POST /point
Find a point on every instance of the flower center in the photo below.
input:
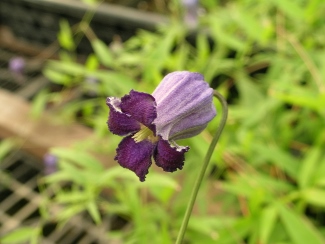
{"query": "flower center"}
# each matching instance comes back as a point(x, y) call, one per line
point(145, 134)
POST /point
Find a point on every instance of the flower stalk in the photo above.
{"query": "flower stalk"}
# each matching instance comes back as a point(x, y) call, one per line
point(205, 164)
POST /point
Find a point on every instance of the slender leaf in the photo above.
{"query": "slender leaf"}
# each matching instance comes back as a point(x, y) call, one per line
point(21, 235)
point(65, 36)
point(291, 8)
point(315, 196)
point(268, 221)
point(5, 147)
point(300, 230)
point(94, 212)
point(103, 52)
point(83, 159)
point(309, 167)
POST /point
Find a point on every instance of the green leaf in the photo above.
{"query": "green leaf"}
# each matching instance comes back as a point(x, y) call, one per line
point(71, 197)
point(241, 186)
point(301, 97)
point(5, 147)
point(207, 224)
point(65, 36)
point(94, 212)
point(299, 229)
point(72, 172)
point(57, 177)
point(115, 83)
point(309, 167)
point(91, 2)
point(250, 94)
point(109, 176)
point(80, 158)
point(278, 157)
point(319, 174)
point(102, 52)
point(222, 36)
point(241, 227)
point(67, 67)
point(70, 211)
point(21, 235)
point(313, 9)
point(56, 76)
point(268, 221)
point(92, 63)
point(249, 24)
point(39, 103)
point(203, 50)
point(290, 8)
point(161, 186)
point(314, 196)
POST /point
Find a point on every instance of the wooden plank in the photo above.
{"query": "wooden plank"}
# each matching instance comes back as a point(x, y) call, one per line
point(37, 135)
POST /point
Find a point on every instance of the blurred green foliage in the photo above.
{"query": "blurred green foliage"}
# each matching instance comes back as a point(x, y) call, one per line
point(267, 178)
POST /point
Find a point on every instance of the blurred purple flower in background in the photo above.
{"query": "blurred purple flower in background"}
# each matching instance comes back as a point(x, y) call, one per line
point(17, 65)
point(190, 12)
point(180, 107)
point(50, 163)
point(91, 85)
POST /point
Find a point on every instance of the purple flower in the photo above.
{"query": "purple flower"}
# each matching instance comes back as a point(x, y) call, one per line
point(17, 65)
point(50, 163)
point(91, 80)
point(190, 12)
point(180, 107)
point(91, 84)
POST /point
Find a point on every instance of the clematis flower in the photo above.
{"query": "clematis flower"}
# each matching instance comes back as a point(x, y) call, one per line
point(180, 107)
point(190, 12)
point(17, 65)
point(91, 85)
point(50, 163)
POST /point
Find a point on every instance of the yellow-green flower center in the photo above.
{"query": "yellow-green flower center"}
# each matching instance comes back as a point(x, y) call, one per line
point(144, 134)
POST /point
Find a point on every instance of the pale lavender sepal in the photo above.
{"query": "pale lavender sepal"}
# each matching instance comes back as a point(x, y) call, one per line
point(184, 105)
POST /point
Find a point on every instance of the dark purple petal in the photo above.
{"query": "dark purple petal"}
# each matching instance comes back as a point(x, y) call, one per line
point(169, 157)
point(135, 156)
point(118, 122)
point(141, 106)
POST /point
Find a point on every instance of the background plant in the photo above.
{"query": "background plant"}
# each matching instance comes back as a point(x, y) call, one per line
point(266, 181)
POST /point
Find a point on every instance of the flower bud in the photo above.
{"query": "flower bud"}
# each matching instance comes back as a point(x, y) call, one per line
point(184, 105)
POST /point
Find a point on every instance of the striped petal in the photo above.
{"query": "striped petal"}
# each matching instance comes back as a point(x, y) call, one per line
point(184, 105)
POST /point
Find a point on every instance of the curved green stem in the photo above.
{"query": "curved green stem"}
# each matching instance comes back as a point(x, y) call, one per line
point(205, 164)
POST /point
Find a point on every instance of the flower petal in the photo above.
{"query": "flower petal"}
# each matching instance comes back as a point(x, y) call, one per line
point(141, 106)
point(184, 105)
point(169, 157)
point(135, 156)
point(192, 124)
point(120, 123)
